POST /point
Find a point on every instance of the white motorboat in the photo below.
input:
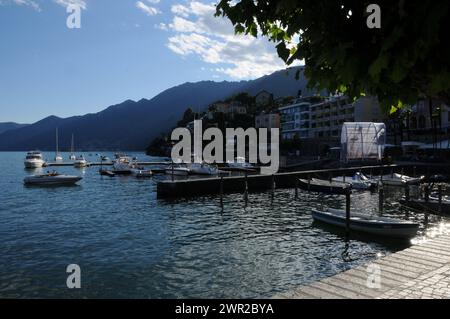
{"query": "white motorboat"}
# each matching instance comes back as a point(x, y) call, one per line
point(374, 225)
point(399, 180)
point(80, 162)
point(58, 157)
point(122, 165)
point(358, 181)
point(34, 160)
point(202, 169)
point(177, 170)
point(240, 163)
point(51, 179)
point(72, 156)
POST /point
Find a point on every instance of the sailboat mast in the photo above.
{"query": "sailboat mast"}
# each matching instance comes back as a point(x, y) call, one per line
point(71, 145)
point(57, 151)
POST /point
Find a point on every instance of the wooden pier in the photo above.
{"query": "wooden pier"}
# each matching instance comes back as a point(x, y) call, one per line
point(236, 184)
point(421, 271)
point(55, 164)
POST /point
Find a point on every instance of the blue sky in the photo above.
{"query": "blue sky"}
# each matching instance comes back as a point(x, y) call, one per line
point(125, 49)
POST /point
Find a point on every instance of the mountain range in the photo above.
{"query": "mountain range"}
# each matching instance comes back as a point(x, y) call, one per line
point(131, 125)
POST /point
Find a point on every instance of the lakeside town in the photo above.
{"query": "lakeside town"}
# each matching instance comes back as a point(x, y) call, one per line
point(235, 150)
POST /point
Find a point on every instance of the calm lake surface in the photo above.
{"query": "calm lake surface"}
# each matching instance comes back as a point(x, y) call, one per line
point(129, 244)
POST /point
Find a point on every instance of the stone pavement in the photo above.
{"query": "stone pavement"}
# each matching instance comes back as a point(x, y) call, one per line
point(421, 271)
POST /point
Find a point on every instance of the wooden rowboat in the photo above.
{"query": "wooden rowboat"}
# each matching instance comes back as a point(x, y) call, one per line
point(374, 225)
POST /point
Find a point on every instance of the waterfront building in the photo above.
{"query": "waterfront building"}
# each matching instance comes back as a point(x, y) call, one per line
point(322, 117)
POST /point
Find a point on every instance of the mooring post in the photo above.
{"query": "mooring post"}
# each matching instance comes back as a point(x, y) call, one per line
point(414, 172)
point(344, 177)
point(246, 187)
point(272, 185)
point(403, 171)
point(330, 177)
point(309, 182)
point(440, 197)
point(427, 193)
point(296, 187)
point(221, 190)
point(347, 211)
point(406, 191)
point(380, 198)
point(371, 173)
point(392, 172)
point(172, 171)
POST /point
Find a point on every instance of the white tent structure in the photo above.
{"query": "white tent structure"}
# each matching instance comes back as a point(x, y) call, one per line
point(362, 140)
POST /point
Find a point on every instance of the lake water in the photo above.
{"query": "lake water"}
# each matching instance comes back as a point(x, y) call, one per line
point(129, 244)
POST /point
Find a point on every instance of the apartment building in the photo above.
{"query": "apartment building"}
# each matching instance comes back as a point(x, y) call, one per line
point(322, 117)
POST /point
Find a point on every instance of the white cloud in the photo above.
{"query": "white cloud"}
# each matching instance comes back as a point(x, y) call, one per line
point(81, 3)
point(149, 10)
point(198, 32)
point(27, 3)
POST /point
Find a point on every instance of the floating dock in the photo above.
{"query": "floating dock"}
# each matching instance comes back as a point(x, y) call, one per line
point(104, 164)
point(236, 184)
point(421, 271)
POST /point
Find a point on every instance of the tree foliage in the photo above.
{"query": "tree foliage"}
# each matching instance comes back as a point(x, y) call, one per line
point(407, 58)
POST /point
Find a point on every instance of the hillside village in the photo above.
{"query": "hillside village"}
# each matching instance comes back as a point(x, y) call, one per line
point(310, 126)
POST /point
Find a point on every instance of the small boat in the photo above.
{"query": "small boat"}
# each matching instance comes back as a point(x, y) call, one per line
point(104, 159)
point(141, 173)
point(240, 163)
point(202, 169)
point(80, 162)
point(177, 171)
point(34, 159)
point(122, 165)
point(105, 172)
point(358, 181)
point(58, 157)
point(399, 180)
point(51, 179)
point(319, 185)
point(374, 225)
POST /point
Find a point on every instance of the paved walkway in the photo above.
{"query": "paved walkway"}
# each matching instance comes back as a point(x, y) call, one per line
point(421, 271)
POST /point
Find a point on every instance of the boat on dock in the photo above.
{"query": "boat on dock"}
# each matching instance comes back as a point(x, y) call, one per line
point(358, 181)
point(322, 186)
point(122, 165)
point(202, 169)
point(177, 170)
point(399, 180)
point(374, 225)
point(34, 159)
point(141, 173)
point(240, 164)
point(51, 179)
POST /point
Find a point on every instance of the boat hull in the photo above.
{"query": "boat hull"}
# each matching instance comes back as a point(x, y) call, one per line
point(315, 186)
point(360, 223)
point(51, 180)
point(34, 164)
